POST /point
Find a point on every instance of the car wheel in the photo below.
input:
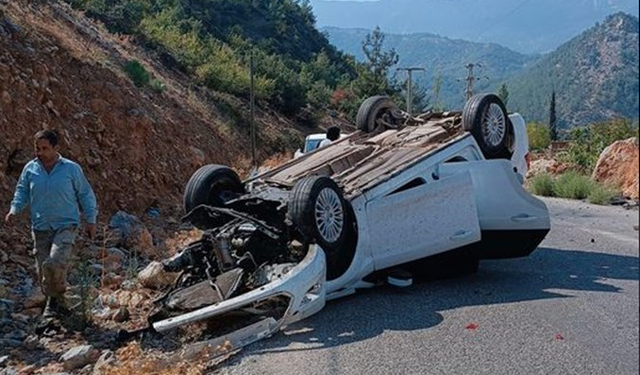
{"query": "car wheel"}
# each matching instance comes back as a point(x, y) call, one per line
point(212, 185)
point(320, 212)
point(485, 117)
point(371, 110)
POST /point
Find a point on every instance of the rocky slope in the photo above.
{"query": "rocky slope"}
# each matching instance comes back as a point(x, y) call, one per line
point(618, 167)
point(594, 76)
point(138, 147)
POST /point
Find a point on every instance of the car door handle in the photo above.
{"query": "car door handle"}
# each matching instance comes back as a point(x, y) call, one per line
point(523, 218)
point(460, 235)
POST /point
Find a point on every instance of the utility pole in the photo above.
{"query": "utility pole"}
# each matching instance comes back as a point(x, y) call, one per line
point(252, 115)
point(410, 86)
point(471, 79)
point(468, 91)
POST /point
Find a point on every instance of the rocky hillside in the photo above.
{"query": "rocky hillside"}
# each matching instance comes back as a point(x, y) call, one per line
point(138, 146)
point(595, 77)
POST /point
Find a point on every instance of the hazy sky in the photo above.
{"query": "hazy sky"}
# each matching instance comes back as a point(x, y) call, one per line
point(529, 26)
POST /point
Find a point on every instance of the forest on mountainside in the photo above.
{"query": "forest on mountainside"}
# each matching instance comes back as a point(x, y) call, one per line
point(297, 71)
point(594, 77)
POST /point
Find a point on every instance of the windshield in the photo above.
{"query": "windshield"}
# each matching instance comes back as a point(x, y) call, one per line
point(311, 144)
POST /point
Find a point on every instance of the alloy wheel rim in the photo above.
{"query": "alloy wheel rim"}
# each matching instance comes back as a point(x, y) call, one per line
point(329, 215)
point(494, 125)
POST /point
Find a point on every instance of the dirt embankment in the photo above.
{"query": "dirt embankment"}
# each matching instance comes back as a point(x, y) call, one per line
point(138, 146)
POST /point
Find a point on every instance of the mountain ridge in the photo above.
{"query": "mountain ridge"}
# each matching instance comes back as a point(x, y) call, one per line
point(526, 26)
point(443, 58)
point(528, 77)
point(594, 75)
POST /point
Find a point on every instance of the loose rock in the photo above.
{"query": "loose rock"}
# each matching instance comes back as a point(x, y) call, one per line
point(79, 356)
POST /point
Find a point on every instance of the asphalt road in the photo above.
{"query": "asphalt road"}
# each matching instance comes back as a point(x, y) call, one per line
point(569, 308)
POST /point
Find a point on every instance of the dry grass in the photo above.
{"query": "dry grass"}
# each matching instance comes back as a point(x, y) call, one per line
point(277, 160)
point(181, 240)
point(129, 361)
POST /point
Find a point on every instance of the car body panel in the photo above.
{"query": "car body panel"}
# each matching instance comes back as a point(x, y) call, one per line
point(416, 223)
point(502, 201)
point(520, 144)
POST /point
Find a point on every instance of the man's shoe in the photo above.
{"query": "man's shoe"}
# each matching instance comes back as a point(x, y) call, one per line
point(60, 306)
point(49, 309)
point(55, 307)
point(48, 327)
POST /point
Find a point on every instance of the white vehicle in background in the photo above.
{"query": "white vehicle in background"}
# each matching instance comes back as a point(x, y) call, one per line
point(311, 142)
point(433, 194)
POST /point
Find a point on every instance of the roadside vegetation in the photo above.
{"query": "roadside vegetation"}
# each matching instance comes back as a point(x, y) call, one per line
point(539, 136)
point(585, 146)
point(572, 185)
point(587, 143)
point(216, 42)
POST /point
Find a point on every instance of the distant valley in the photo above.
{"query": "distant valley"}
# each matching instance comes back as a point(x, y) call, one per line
point(594, 75)
point(526, 26)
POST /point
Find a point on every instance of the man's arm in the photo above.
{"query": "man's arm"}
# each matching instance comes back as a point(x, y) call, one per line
point(87, 200)
point(21, 196)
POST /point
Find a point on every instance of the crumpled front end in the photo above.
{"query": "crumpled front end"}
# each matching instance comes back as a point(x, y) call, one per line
point(251, 272)
point(301, 286)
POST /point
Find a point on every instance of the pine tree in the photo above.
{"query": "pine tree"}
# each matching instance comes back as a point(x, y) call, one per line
point(375, 80)
point(553, 122)
point(503, 93)
point(438, 106)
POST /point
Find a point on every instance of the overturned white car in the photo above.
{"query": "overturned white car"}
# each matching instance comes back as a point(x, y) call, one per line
point(432, 193)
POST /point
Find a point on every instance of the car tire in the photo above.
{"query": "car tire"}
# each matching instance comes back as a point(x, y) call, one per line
point(371, 110)
point(212, 185)
point(319, 211)
point(485, 117)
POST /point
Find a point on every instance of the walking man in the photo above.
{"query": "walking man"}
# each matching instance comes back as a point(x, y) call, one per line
point(55, 189)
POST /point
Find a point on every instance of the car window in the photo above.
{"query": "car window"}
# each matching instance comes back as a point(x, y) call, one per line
point(311, 144)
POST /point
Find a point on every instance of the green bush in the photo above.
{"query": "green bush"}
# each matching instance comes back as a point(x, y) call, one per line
point(319, 95)
point(157, 85)
point(573, 185)
point(137, 72)
point(601, 195)
point(539, 136)
point(589, 142)
point(543, 185)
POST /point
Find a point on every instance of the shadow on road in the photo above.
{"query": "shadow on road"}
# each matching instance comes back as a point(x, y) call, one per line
point(547, 273)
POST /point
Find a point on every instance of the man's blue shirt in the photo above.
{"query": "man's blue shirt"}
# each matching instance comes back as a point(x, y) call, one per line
point(53, 197)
